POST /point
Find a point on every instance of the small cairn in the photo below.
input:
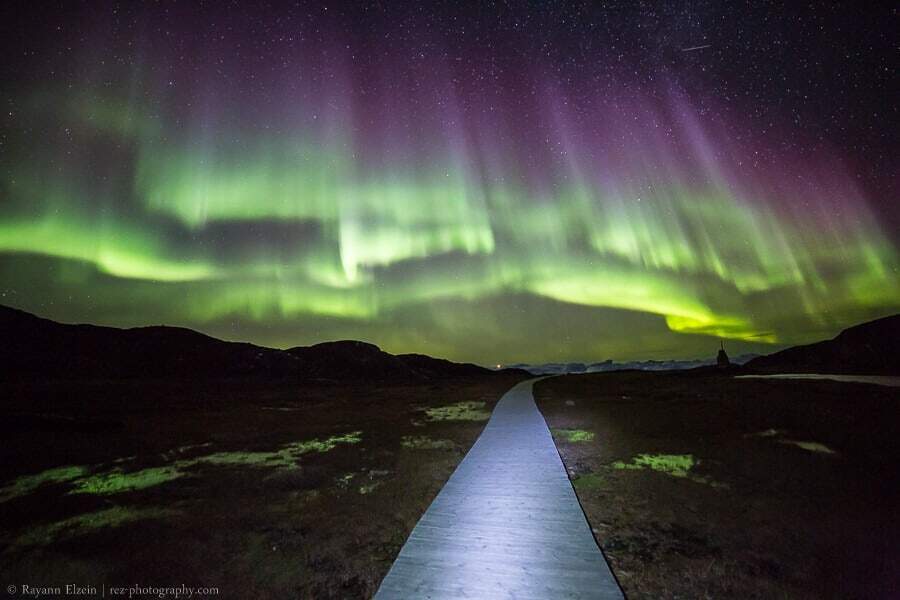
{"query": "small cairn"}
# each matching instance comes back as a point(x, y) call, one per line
point(722, 358)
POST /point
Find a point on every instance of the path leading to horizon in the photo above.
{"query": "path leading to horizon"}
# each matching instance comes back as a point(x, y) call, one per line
point(507, 524)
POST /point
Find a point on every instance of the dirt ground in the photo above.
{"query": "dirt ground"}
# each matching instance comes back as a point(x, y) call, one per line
point(257, 490)
point(704, 486)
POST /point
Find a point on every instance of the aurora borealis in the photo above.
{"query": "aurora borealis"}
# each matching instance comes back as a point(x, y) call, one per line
point(491, 184)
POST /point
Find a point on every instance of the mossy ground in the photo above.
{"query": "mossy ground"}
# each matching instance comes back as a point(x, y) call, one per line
point(573, 436)
point(460, 411)
point(701, 486)
point(199, 485)
point(118, 480)
point(80, 525)
point(26, 484)
point(590, 480)
point(676, 465)
point(423, 442)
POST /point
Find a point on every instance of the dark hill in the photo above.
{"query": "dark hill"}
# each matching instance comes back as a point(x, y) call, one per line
point(872, 348)
point(352, 360)
point(433, 367)
point(360, 360)
point(32, 347)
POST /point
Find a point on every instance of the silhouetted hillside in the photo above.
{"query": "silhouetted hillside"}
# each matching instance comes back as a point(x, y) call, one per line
point(32, 347)
point(350, 359)
point(434, 367)
point(872, 348)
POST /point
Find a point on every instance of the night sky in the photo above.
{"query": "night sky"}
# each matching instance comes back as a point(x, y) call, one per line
point(491, 182)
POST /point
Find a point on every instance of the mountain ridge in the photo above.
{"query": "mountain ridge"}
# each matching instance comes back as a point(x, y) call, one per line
point(35, 347)
point(871, 348)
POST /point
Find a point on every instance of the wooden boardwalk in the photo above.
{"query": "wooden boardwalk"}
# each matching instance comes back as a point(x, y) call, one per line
point(506, 525)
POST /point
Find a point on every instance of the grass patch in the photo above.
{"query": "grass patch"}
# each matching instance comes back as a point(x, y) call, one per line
point(82, 524)
point(461, 411)
point(588, 481)
point(117, 481)
point(29, 483)
point(423, 442)
point(676, 465)
point(369, 487)
point(573, 435)
point(286, 457)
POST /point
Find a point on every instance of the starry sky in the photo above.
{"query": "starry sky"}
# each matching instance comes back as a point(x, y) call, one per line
point(489, 182)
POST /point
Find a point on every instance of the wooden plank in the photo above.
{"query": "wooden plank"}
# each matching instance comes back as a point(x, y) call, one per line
point(506, 525)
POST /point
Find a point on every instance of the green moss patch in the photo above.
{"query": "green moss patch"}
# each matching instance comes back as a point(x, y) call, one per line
point(29, 483)
point(573, 435)
point(369, 487)
point(326, 444)
point(588, 481)
point(461, 411)
point(423, 442)
point(676, 465)
point(286, 457)
point(117, 481)
point(279, 458)
point(83, 524)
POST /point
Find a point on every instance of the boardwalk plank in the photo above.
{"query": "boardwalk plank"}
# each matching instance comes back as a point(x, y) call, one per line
point(506, 525)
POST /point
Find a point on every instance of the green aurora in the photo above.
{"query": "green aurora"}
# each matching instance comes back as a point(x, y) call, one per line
point(124, 217)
